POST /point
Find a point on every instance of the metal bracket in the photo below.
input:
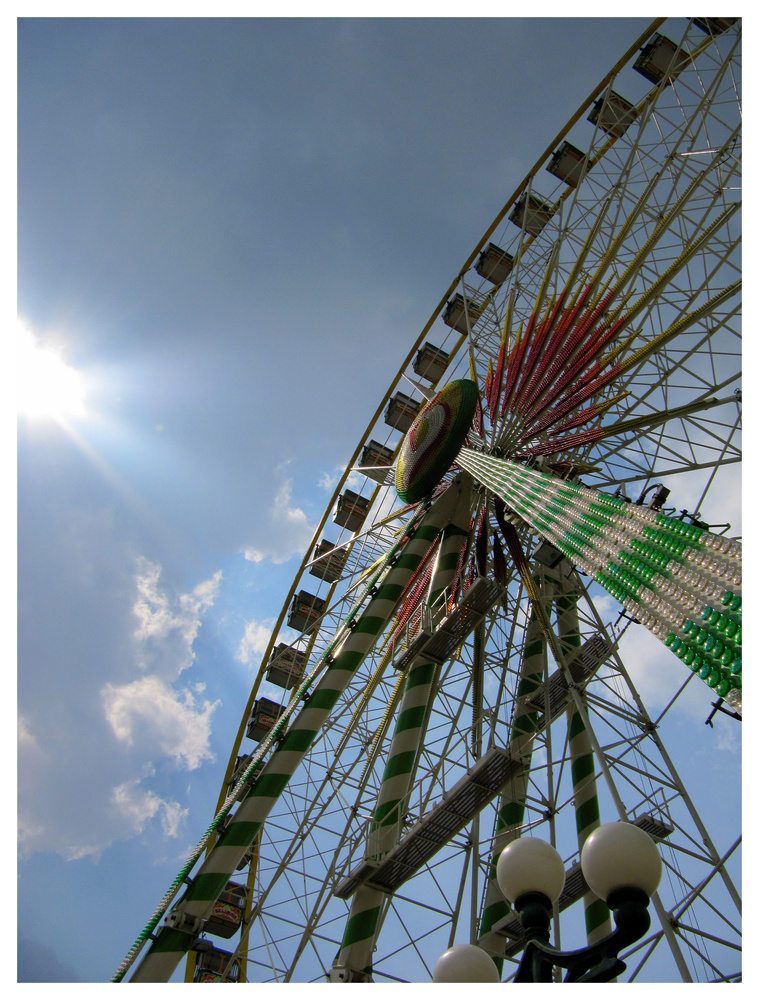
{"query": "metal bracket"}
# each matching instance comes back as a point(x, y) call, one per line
point(178, 920)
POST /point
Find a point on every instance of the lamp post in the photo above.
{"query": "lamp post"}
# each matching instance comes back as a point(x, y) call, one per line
point(621, 865)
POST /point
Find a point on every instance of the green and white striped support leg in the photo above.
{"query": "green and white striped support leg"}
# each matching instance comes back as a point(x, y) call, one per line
point(582, 759)
point(413, 715)
point(357, 946)
point(354, 960)
point(172, 943)
point(597, 915)
point(512, 801)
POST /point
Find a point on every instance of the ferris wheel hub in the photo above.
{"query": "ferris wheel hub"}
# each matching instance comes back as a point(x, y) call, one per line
point(434, 439)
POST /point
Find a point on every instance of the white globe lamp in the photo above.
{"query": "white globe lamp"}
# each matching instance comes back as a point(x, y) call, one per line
point(465, 963)
point(530, 865)
point(620, 856)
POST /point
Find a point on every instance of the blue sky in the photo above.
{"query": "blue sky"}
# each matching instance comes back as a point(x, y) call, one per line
point(234, 230)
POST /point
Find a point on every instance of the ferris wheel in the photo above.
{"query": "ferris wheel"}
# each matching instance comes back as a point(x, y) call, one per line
point(537, 487)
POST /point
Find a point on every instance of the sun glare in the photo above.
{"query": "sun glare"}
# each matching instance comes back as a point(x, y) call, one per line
point(46, 386)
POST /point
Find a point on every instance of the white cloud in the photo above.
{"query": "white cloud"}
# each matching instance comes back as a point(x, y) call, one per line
point(254, 641)
point(607, 606)
point(166, 720)
point(172, 722)
point(151, 606)
point(203, 596)
point(657, 674)
point(79, 851)
point(329, 479)
point(726, 734)
point(286, 530)
point(169, 626)
point(27, 742)
point(28, 832)
point(132, 808)
point(172, 817)
point(91, 767)
point(136, 806)
point(355, 481)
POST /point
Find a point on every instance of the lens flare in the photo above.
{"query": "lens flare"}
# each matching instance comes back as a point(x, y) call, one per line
point(46, 386)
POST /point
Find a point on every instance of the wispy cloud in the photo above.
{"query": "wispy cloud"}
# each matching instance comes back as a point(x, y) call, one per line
point(657, 675)
point(27, 739)
point(286, 530)
point(254, 641)
point(168, 625)
point(329, 479)
point(355, 481)
point(170, 721)
point(132, 808)
point(137, 806)
point(88, 773)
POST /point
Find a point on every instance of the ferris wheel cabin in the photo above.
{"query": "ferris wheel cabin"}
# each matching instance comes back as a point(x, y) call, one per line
point(285, 667)
point(431, 362)
point(263, 718)
point(351, 510)
point(494, 264)
point(305, 611)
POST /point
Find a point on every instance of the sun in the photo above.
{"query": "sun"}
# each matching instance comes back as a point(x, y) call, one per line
point(46, 386)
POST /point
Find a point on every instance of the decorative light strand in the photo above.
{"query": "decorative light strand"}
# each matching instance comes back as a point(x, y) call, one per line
point(680, 581)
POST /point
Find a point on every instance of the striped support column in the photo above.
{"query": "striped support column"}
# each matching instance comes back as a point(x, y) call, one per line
point(512, 800)
point(587, 815)
point(664, 572)
point(354, 960)
point(171, 943)
point(582, 759)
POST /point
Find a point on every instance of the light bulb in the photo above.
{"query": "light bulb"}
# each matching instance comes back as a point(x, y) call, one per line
point(618, 856)
point(530, 865)
point(465, 963)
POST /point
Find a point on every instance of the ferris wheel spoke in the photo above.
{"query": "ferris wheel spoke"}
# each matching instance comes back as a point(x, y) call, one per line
point(695, 445)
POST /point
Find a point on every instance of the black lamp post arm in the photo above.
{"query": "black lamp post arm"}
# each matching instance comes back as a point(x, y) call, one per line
point(597, 963)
